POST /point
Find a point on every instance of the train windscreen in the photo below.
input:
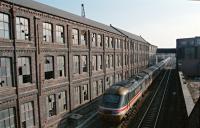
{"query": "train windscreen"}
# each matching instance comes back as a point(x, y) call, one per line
point(111, 101)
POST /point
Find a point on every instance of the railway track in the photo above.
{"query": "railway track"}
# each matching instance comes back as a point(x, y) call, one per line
point(151, 115)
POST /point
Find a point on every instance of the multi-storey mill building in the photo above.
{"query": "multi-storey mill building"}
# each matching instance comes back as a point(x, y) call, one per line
point(52, 62)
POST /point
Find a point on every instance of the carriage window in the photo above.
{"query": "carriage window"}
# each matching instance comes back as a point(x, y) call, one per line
point(111, 98)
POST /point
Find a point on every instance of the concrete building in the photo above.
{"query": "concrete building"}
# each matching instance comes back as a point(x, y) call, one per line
point(188, 55)
point(52, 62)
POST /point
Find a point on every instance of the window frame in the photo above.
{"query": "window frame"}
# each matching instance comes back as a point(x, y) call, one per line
point(76, 64)
point(4, 23)
point(8, 68)
point(75, 36)
point(60, 34)
point(21, 26)
point(48, 69)
point(47, 32)
point(27, 74)
point(61, 65)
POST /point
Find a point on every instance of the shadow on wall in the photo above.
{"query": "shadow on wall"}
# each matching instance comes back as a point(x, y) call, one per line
point(191, 67)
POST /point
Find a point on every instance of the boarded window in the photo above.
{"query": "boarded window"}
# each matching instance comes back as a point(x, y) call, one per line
point(24, 70)
point(48, 67)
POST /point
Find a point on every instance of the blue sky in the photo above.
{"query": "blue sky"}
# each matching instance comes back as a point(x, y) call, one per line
point(160, 22)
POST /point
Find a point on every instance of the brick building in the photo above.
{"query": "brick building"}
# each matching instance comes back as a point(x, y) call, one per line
point(52, 62)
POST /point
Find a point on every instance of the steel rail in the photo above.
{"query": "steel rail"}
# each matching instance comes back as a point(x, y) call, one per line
point(155, 124)
point(141, 121)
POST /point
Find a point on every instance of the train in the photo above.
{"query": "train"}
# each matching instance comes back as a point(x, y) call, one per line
point(126, 94)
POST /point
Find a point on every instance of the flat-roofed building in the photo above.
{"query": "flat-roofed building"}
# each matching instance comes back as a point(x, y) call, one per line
point(188, 55)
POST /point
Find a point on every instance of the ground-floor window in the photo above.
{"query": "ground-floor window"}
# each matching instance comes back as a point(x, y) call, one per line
point(7, 118)
point(27, 115)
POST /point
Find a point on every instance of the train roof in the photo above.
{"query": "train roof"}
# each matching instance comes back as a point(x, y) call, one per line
point(118, 90)
point(153, 68)
point(148, 71)
point(123, 87)
point(143, 74)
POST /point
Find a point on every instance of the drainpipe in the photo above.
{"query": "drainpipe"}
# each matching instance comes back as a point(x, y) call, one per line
point(13, 29)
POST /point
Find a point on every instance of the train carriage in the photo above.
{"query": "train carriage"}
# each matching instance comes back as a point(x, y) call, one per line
point(122, 96)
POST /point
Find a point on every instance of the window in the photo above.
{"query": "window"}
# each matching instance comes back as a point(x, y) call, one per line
point(75, 36)
point(111, 61)
point(100, 66)
point(85, 93)
point(48, 67)
point(107, 82)
point(106, 42)
point(112, 79)
point(61, 66)
point(100, 87)
point(5, 72)
point(27, 115)
point(47, 32)
point(116, 43)
point(84, 63)
point(116, 60)
point(51, 105)
point(107, 61)
point(99, 40)
point(95, 89)
point(76, 64)
point(22, 28)
point(7, 118)
point(119, 42)
point(94, 36)
point(77, 95)
point(83, 37)
point(119, 60)
point(4, 26)
point(94, 63)
point(59, 34)
point(24, 70)
point(62, 101)
point(111, 42)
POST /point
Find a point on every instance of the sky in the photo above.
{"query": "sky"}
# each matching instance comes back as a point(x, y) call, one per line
point(160, 22)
